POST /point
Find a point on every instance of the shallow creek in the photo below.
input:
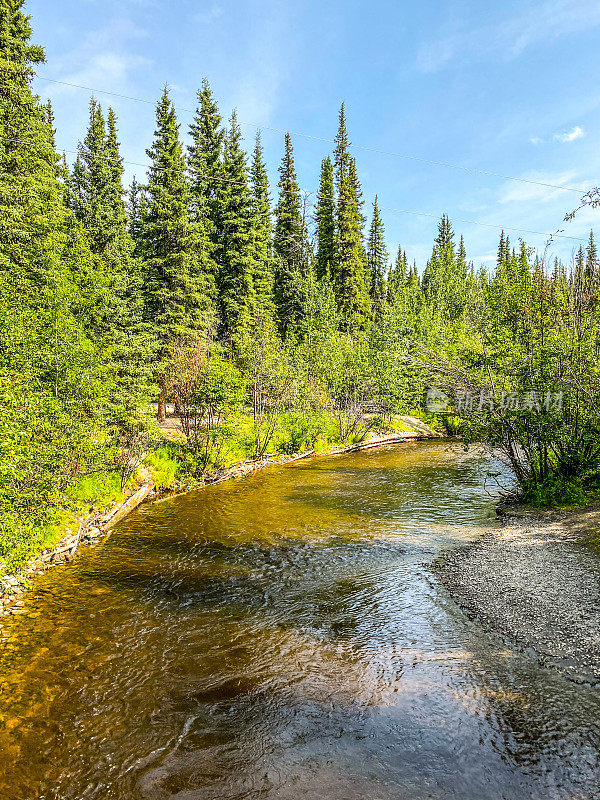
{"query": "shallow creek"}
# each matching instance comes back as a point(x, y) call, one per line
point(282, 636)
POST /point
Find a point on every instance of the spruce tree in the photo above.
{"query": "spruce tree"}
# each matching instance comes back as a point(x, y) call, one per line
point(591, 264)
point(398, 277)
point(501, 249)
point(262, 227)
point(289, 243)
point(92, 178)
point(51, 371)
point(236, 296)
point(377, 260)
point(101, 210)
point(349, 271)
point(207, 177)
point(325, 221)
point(135, 211)
point(176, 283)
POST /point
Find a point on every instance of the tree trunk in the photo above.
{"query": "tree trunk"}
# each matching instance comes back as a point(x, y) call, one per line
point(162, 399)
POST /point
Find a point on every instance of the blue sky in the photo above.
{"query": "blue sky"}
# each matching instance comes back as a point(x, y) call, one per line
point(511, 88)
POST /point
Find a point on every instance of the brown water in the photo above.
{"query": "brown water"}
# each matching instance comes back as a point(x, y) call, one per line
point(282, 637)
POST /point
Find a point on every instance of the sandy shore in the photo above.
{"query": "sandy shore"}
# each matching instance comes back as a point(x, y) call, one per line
point(536, 583)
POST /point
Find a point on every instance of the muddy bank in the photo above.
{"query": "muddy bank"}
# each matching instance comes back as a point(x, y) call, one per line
point(534, 581)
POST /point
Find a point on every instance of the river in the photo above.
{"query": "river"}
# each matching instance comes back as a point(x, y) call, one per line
point(282, 636)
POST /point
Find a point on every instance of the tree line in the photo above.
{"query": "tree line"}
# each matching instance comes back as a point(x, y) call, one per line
point(205, 286)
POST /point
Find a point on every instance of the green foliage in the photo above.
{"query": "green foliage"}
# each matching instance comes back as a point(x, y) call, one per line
point(301, 431)
point(556, 491)
point(349, 271)
point(377, 261)
point(176, 282)
point(262, 227)
point(209, 391)
point(289, 243)
point(236, 295)
point(452, 424)
point(98, 489)
point(325, 221)
point(165, 465)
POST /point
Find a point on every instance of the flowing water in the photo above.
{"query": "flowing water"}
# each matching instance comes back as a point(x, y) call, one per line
point(283, 637)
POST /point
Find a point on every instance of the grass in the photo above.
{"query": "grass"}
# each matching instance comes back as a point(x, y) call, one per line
point(165, 464)
point(98, 489)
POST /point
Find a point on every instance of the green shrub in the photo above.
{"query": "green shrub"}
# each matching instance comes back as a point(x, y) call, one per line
point(98, 489)
point(452, 424)
point(165, 464)
point(300, 431)
point(556, 491)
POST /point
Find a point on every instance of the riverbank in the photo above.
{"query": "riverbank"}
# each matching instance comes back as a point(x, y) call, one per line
point(535, 582)
point(95, 526)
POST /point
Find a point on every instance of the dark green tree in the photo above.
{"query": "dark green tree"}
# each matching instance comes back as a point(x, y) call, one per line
point(207, 176)
point(135, 211)
point(289, 243)
point(262, 226)
point(100, 208)
point(236, 295)
point(52, 378)
point(349, 274)
point(377, 260)
point(325, 221)
point(398, 276)
point(176, 282)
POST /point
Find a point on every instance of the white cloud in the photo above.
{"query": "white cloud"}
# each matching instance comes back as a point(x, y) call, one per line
point(570, 136)
point(104, 70)
point(104, 58)
point(205, 17)
point(507, 37)
point(535, 140)
point(540, 190)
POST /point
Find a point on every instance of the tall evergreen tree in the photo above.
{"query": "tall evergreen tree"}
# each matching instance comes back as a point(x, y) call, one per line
point(207, 177)
point(349, 272)
point(236, 295)
point(92, 179)
point(262, 226)
point(176, 284)
point(135, 211)
point(325, 220)
point(445, 276)
point(101, 210)
point(591, 264)
point(51, 371)
point(377, 260)
point(289, 243)
point(398, 276)
point(501, 249)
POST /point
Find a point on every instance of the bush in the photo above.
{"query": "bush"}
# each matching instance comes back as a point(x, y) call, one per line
point(98, 489)
point(452, 425)
point(300, 431)
point(556, 491)
point(165, 464)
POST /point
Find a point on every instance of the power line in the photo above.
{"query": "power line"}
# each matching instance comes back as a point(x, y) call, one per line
point(431, 162)
point(555, 235)
point(411, 212)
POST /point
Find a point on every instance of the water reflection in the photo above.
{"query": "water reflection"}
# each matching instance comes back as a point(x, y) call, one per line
point(282, 636)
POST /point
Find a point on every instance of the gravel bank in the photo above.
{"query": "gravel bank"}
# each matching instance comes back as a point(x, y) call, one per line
point(534, 581)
